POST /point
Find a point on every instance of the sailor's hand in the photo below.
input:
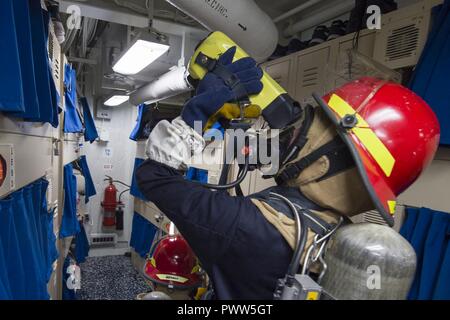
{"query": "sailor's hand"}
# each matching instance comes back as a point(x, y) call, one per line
point(213, 93)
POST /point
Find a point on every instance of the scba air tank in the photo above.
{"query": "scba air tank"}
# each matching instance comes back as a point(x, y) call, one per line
point(369, 262)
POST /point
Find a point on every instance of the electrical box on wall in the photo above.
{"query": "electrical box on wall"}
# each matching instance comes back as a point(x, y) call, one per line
point(102, 111)
point(7, 171)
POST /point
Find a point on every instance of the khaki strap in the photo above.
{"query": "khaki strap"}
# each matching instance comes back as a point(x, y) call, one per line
point(287, 228)
point(283, 224)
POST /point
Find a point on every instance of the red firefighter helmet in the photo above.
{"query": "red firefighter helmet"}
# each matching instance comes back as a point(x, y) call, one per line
point(173, 264)
point(391, 132)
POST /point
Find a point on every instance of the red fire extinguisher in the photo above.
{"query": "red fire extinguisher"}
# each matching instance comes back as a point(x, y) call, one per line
point(109, 204)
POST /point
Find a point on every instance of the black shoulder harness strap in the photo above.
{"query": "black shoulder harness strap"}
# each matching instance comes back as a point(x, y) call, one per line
point(302, 137)
point(334, 149)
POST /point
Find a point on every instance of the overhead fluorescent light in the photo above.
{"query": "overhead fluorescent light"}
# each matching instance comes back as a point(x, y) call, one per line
point(138, 56)
point(116, 100)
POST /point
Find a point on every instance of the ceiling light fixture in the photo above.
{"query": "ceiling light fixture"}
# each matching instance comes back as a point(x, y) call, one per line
point(116, 100)
point(142, 52)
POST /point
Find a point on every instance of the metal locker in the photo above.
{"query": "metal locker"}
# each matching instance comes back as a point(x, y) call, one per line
point(282, 71)
point(312, 73)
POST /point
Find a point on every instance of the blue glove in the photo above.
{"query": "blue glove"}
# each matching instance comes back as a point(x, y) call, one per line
point(213, 93)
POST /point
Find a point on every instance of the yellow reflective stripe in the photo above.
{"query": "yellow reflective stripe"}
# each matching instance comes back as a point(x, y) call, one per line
point(376, 148)
point(342, 108)
point(392, 205)
point(170, 277)
point(366, 135)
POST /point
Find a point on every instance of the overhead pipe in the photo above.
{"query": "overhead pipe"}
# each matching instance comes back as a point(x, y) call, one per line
point(296, 10)
point(166, 86)
point(243, 21)
point(307, 23)
point(250, 27)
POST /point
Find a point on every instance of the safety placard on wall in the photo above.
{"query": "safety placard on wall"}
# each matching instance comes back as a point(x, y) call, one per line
point(108, 153)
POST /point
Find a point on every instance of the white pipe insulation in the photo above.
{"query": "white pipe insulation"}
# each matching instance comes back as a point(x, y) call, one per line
point(243, 21)
point(168, 85)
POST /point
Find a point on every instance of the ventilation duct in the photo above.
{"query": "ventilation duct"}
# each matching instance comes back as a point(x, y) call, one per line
point(243, 21)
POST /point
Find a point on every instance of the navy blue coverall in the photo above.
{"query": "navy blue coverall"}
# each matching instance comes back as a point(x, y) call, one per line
point(243, 254)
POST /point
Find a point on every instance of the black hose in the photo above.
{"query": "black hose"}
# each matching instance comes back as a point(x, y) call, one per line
point(301, 241)
point(301, 227)
point(233, 184)
point(122, 183)
point(241, 175)
point(120, 195)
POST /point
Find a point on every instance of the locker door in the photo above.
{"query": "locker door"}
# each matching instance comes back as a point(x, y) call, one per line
point(282, 71)
point(311, 75)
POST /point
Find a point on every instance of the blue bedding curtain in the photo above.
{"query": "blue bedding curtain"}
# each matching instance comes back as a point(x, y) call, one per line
point(138, 128)
point(432, 74)
point(142, 235)
point(134, 191)
point(89, 183)
point(81, 245)
point(28, 90)
point(90, 132)
point(428, 231)
point(11, 93)
point(69, 225)
point(27, 243)
point(72, 121)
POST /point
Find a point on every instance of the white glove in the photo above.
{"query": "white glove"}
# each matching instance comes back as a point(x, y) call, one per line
point(174, 144)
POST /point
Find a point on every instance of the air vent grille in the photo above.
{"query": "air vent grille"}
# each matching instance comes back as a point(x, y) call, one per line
point(310, 77)
point(402, 42)
point(103, 239)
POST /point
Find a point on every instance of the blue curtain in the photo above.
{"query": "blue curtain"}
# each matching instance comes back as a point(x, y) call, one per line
point(69, 225)
point(81, 245)
point(134, 191)
point(432, 74)
point(11, 93)
point(72, 121)
point(28, 90)
point(90, 132)
point(27, 243)
point(138, 128)
point(142, 234)
point(428, 232)
point(89, 183)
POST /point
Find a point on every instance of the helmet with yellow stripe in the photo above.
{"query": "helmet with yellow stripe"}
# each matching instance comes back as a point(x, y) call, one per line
point(173, 264)
point(390, 136)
